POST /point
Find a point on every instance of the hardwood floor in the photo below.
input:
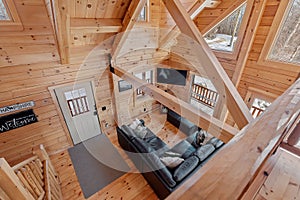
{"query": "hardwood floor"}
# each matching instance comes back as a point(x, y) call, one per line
point(283, 181)
point(131, 185)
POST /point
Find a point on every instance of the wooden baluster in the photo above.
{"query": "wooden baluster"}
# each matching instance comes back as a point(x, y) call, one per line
point(11, 184)
point(26, 184)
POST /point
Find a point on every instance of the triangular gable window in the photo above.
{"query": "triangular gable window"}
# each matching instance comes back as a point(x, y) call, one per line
point(286, 45)
point(4, 16)
point(224, 35)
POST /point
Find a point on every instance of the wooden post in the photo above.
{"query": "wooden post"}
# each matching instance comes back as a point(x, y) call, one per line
point(294, 138)
point(10, 183)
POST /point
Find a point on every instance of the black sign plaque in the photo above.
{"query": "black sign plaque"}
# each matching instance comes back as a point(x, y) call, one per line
point(17, 120)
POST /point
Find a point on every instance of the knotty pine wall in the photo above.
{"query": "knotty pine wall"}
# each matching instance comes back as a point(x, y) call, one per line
point(29, 64)
point(271, 79)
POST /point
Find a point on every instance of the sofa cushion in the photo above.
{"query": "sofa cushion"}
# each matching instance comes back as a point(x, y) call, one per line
point(158, 145)
point(171, 162)
point(142, 146)
point(185, 168)
point(183, 148)
point(187, 127)
point(204, 151)
point(216, 142)
point(160, 168)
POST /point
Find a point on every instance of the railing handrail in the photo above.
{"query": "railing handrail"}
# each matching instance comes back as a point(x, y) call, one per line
point(204, 95)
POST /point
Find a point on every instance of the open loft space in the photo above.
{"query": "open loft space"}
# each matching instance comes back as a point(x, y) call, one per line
point(149, 99)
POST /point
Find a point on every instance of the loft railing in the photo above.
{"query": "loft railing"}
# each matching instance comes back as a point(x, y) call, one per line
point(33, 179)
point(204, 95)
point(255, 111)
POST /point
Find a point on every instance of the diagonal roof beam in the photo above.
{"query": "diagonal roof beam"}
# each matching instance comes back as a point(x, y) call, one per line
point(210, 63)
point(129, 20)
point(194, 11)
point(212, 125)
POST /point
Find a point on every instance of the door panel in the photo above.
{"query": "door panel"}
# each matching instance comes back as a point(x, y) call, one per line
point(79, 110)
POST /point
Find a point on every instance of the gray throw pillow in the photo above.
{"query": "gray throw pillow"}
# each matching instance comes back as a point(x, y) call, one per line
point(199, 138)
point(172, 162)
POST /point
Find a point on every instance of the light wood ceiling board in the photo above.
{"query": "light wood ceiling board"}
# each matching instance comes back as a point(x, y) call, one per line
point(198, 117)
point(80, 8)
point(101, 8)
point(234, 168)
point(128, 23)
point(72, 8)
point(122, 6)
point(91, 8)
point(209, 61)
point(110, 9)
point(82, 25)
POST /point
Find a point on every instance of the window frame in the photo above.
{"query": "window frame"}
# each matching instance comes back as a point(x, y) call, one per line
point(147, 13)
point(14, 24)
point(280, 17)
point(240, 36)
point(139, 92)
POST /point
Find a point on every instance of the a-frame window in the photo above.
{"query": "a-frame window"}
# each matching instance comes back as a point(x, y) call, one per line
point(4, 16)
point(9, 18)
point(286, 45)
point(224, 35)
point(144, 14)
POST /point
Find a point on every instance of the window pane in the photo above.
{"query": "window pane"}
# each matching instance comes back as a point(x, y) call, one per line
point(3, 12)
point(224, 36)
point(287, 45)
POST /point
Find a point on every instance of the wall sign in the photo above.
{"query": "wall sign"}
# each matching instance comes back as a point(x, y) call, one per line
point(16, 107)
point(17, 120)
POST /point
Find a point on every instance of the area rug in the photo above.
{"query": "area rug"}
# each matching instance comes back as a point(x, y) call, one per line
point(97, 163)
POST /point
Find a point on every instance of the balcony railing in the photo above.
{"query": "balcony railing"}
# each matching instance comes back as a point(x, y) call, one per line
point(204, 95)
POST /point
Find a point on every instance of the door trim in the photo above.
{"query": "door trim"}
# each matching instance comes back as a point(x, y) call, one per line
point(59, 111)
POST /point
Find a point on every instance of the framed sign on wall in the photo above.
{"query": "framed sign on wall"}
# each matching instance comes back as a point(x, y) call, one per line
point(17, 120)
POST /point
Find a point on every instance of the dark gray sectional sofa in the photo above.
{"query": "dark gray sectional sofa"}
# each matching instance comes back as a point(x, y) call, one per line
point(146, 153)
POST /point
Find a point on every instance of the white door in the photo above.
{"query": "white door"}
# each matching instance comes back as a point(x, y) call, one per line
point(79, 110)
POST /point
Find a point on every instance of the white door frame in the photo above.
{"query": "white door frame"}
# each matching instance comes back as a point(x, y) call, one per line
point(59, 111)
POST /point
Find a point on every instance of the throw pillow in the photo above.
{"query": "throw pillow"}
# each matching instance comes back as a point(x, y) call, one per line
point(141, 131)
point(172, 162)
point(171, 154)
point(199, 138)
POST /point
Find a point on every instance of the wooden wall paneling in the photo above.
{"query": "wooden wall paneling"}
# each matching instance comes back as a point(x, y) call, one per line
point(101, 8)
point(110, 9)
point(128, 22)
point(258, 140)
point(257, 12)
point(91, 8)
point(233, 101)
point(82, 25)
point(80, 8)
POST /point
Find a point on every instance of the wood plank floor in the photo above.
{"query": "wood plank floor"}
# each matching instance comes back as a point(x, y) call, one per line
point(283, 181)
point(131, 185)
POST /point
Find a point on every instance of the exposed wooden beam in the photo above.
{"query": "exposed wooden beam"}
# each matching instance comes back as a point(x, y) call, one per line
point(58, 13)
point(83, 25)
point(210, 63)
point(228, 174)
point(193, 11)
point(129, 20)
point(212, 125)
point(257, 12)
